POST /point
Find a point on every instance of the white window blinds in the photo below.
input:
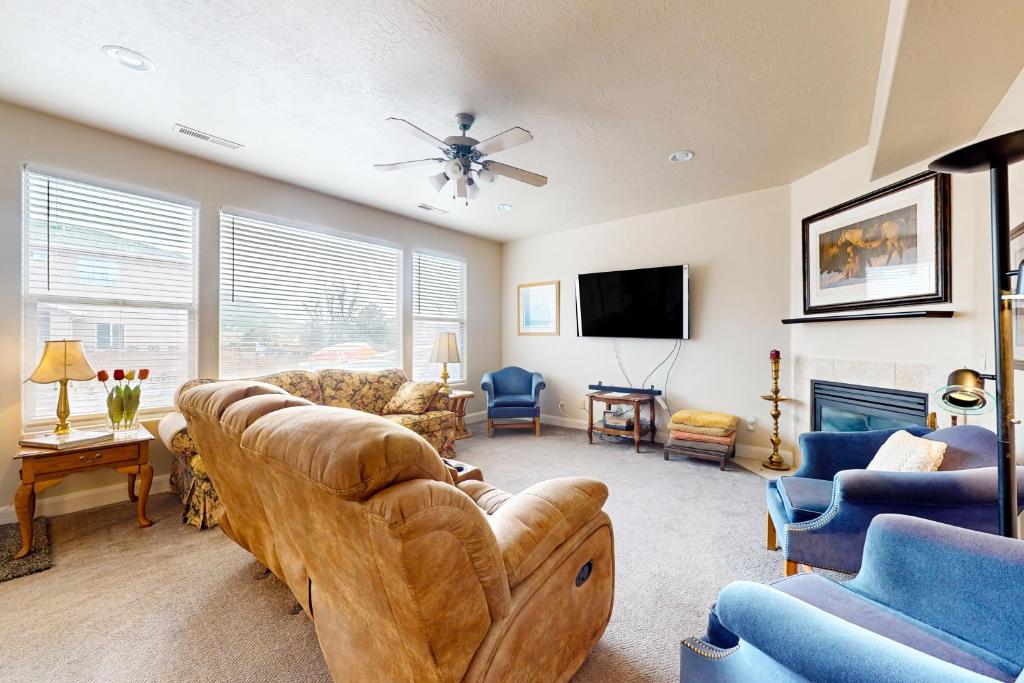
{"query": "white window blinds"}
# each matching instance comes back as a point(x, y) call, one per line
point(438, 305)
point(294, 298)
point(115, 270)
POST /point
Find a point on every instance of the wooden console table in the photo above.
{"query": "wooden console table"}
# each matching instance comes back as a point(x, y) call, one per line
point(614, 398)
point(42, 468)
point(457, 400)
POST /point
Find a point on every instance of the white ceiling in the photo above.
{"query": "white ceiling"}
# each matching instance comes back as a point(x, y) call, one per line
point(765, 92)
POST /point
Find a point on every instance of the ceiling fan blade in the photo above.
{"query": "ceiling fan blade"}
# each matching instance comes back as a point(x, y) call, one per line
point(502, 141)
point(407, 164)
point(498, 168)
point(460, 188)
point(420, 133)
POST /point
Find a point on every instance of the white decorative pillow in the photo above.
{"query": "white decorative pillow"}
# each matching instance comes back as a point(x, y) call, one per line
point(904, 452)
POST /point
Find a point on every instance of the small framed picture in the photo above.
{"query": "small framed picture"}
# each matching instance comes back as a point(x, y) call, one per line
point(890, 247)
point(1016, 256)
point(537, 308)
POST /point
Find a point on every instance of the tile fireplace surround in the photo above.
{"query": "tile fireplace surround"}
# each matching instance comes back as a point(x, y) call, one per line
point(906, 376)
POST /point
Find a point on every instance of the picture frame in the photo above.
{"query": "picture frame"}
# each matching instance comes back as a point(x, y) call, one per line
point(1016, 256)
point(887, 248)
point(537, 308)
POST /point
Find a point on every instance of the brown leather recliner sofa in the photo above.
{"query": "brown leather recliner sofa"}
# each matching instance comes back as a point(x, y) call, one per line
point(407, 576)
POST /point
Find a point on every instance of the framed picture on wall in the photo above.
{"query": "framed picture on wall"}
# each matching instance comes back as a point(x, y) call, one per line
point(890, 247)
point(1016, 255)
point(537, 308)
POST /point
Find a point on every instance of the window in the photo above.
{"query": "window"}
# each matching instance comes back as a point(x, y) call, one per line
point(109, 335)
point(299, 298)
point(116, 270)
point(438, 305)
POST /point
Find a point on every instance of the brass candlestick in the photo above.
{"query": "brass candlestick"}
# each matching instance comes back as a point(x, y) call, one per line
point(775, 461)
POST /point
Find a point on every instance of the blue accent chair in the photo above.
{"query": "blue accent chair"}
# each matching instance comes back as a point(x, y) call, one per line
point(821, 514)
point(932, 602)
point(513, 393)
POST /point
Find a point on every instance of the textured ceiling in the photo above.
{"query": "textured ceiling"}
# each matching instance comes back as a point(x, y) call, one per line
point(765, 92)
point(954, 64)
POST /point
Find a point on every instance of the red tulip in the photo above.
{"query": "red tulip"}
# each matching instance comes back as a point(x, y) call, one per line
point(119, 374)
point(144, 373)
point(102, 376)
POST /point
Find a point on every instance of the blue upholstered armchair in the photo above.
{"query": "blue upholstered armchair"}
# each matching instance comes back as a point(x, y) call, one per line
point(820, 515)
point(513, 393)
point(932, 603)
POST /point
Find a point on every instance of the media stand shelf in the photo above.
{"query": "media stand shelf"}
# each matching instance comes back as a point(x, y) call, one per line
point(867, 316)
point(640, 427)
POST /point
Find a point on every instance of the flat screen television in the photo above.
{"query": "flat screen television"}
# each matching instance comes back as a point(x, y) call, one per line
point(652, 303)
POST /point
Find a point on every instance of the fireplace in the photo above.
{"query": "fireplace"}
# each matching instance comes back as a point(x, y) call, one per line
point(838, 407)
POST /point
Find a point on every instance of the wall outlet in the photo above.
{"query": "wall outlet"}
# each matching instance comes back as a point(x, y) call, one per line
point(751, 421)
point(583, 404)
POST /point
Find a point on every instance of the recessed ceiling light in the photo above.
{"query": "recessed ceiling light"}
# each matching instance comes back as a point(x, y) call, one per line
point(504, 207)
point(128, 58)
point(681, 156)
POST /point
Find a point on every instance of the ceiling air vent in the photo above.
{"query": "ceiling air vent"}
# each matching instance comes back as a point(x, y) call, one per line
point(428, 207)
point(205, 137)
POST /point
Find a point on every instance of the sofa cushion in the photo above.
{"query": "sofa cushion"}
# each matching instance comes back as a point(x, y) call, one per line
point(804, 498)
point(412, 398)
point(301, 383)
point(511, 400)
point(831, 597)
point(904, 452)
point(364, 390)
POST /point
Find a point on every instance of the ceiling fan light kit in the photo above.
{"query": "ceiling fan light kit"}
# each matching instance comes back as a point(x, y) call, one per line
point(464, 158)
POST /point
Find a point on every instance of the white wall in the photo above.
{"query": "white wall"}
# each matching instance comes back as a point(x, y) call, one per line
point(933, 347)
point(31, 137)
point(739, 264)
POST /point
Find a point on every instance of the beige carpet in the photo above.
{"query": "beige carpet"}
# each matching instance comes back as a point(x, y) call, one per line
point(170, 603)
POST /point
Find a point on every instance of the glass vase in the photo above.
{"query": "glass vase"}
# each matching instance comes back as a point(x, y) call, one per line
point(123, 408)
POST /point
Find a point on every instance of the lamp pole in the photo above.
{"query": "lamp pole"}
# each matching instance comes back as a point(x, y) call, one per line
point(995, 155)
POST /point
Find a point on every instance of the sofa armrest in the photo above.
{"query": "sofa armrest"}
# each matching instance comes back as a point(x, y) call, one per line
point(823, 454)
point(487, 384)
point(531, 525)
point(537, 383)
point(173, 432)
point(817, 646)
point(981, 577)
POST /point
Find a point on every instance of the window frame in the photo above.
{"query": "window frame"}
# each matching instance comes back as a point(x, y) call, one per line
point(97, 418)
point(464, 350)
point(399, 248)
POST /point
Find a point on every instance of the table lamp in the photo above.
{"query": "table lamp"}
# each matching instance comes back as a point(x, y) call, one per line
point(446, 350)
point(62, 360)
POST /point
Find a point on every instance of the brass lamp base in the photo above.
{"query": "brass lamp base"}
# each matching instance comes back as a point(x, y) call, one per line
point(445, 389)
point(772, 464)
point(63, 410)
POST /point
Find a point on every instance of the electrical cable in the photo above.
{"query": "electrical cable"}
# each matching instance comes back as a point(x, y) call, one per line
point(663, 361)
point(618, 358)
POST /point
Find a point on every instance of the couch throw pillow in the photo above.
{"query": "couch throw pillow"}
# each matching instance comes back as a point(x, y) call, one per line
point(412, 398)
point(904, 452)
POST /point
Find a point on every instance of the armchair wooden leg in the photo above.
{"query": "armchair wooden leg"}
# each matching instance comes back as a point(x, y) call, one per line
point(536, 425)
point(771, 538)
point(791, 568)
point(490, 427)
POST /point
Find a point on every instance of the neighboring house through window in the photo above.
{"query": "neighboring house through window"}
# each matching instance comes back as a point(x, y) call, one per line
point(115, 269)
point(438, 305)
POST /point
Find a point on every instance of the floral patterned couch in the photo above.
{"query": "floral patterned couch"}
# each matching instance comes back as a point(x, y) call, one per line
point(359, 390)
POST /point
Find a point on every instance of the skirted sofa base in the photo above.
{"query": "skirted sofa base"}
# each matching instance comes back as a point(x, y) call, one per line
point(367, 391)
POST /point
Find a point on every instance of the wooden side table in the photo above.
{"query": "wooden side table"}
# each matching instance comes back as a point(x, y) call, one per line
point(458, 399)
point(610, 398)
point(42, 468)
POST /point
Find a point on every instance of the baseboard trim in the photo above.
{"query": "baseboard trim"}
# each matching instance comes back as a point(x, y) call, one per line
point(51, 506)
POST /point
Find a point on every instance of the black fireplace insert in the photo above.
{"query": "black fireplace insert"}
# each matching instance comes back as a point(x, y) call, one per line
point(838, 407)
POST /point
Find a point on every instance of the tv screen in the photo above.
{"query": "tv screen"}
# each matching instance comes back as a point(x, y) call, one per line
point(652, 303)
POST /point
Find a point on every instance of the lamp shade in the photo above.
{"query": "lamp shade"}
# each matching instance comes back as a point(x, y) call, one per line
point(965, 393)
point(446, 349)
point(62, 359)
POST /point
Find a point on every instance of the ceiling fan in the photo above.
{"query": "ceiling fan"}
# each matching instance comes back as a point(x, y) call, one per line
point(464, 158)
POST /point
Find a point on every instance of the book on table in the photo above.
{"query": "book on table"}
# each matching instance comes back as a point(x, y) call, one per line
point(61, 442)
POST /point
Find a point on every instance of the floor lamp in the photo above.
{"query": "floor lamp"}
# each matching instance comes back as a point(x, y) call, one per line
point(995, 155)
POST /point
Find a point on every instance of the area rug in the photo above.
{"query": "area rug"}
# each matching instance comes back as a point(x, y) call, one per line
point(38, 560)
